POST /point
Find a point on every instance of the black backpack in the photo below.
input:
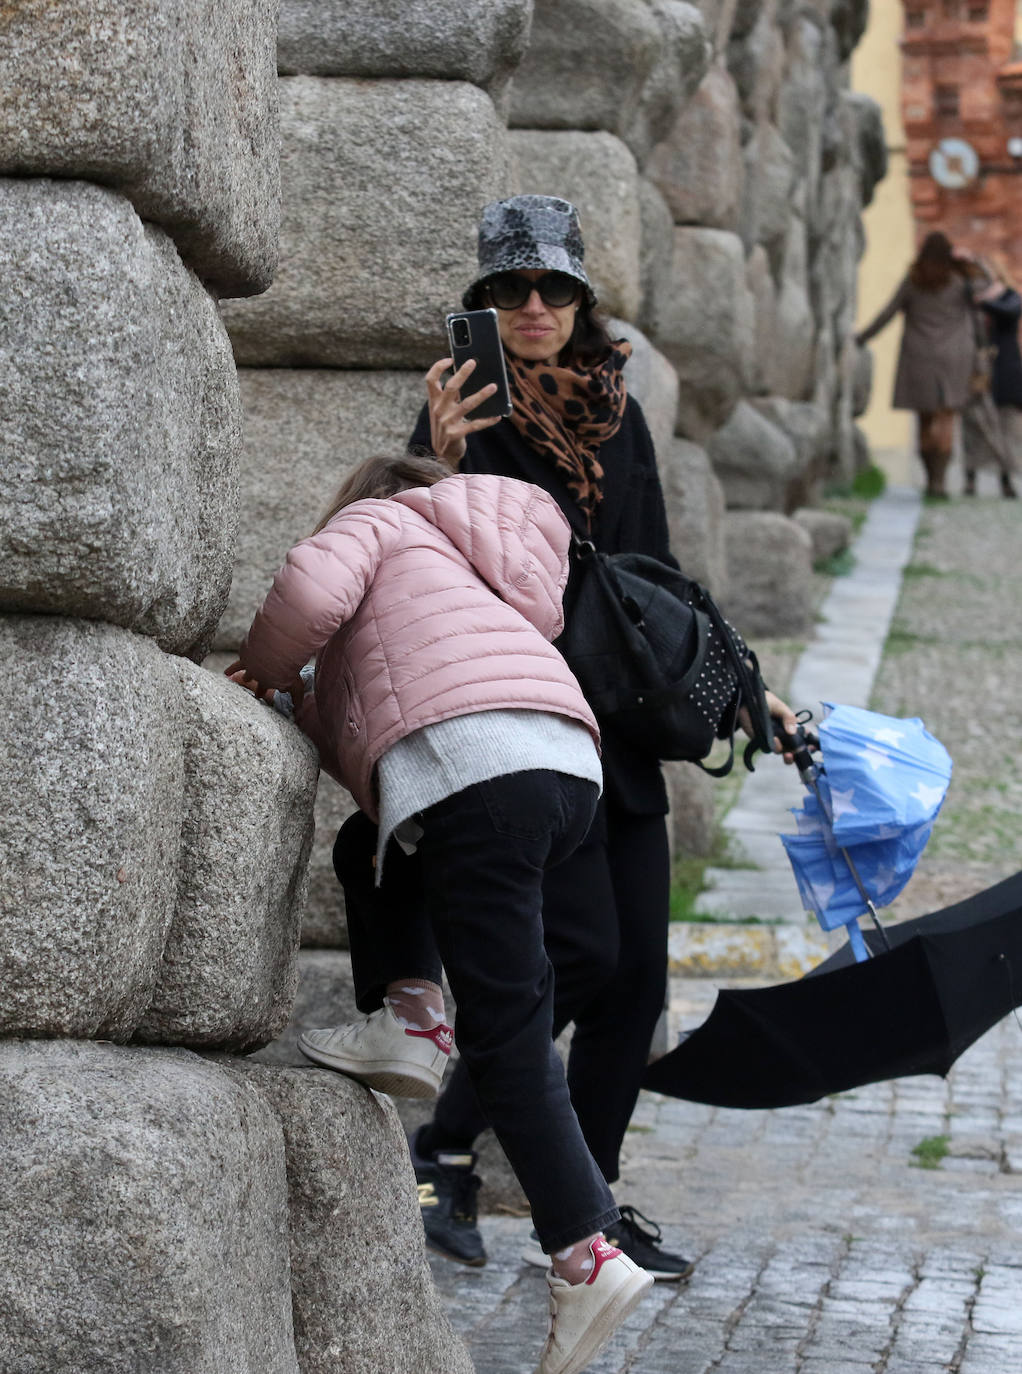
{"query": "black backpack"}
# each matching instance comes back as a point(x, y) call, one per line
point(656, 659)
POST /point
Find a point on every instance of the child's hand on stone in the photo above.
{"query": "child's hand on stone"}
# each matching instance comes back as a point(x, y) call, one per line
point(236, 672)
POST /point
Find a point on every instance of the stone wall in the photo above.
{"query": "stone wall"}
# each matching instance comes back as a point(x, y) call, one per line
point(719, 164)
point(161, 1209)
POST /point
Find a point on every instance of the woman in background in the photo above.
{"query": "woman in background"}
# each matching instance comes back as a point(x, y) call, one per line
point(937, 358)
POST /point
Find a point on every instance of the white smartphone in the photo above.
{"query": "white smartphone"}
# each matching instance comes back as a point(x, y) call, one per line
point(475, 334)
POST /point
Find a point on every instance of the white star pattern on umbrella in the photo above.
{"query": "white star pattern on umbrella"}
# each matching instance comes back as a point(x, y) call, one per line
point(888, 736)
point(929, 796)
point(881, 880)
point(842, 802)
point(821, 895)
point(876, 758)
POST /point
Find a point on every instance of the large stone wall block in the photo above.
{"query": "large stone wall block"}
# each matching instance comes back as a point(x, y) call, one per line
point(810, 428)
point(172, 102)
point(756, 59)
point(770, 176)
point(770, 582)
point(481, 41)
point(323, 924)
point(763, 290)
point(304, 429)
point(119, 420)
point(383, 183)
point(682, 62)
point(93, 765)
point(695, 512)
point(587, 64)
point(656, 251)
point(357, 1245)
point(653, 382)
point(626, 68)
point(229, 967)
point(325, 997)
point(803, 97)
point(699, 167)
point(145, 1214)
point(598, 174)
point(755, 461)
point(323, 920)
point(706, 327)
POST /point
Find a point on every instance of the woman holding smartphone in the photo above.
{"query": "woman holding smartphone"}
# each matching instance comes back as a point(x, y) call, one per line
point(574, 431)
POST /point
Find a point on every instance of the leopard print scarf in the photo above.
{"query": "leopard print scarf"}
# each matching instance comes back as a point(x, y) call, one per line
point(567, 413)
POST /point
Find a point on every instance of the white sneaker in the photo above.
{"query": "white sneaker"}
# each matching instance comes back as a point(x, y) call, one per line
point(383, 1053)
point(583, 1316)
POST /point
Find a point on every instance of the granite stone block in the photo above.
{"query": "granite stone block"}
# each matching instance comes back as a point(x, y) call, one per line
point(229, 969)
point(119, 420)
point(145, 1215)
point(93, 767)
point(383, 182)
point(171, 102)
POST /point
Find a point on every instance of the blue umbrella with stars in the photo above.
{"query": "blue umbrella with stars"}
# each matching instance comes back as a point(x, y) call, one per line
point(867, 816)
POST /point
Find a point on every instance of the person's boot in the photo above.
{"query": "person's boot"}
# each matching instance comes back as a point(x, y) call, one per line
point(936, 462)
point(448, 1187)
point(1008, 486)
point(970, 482)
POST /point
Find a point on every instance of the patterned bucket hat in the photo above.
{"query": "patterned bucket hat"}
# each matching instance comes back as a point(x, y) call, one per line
point(528, 232)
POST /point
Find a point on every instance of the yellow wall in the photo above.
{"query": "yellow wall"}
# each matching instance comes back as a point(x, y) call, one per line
point(890, 240)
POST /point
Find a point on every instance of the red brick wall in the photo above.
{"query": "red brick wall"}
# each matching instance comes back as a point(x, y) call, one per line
point(963, 52)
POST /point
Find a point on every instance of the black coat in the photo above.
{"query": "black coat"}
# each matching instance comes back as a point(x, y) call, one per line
point(631, 519)
point(1003, 319)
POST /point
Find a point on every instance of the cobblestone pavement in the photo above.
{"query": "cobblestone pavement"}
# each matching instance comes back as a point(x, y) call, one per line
point(822, 1244)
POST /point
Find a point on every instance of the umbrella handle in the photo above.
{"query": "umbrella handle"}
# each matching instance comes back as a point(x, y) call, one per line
point(800, 743)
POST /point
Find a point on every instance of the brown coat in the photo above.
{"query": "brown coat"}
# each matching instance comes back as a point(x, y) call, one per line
point(938, 345)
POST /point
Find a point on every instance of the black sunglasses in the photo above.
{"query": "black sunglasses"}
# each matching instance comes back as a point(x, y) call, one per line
point(509, 290)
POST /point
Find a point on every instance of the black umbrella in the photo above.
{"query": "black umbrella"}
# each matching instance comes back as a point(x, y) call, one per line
point(946, 979)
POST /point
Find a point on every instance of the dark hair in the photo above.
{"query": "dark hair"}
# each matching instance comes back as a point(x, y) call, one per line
point(935, 263)
point(590, 342)
point(380, 477)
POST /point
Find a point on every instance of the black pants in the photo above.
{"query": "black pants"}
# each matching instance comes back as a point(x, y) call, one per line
point(482, 858)
point(605, 912)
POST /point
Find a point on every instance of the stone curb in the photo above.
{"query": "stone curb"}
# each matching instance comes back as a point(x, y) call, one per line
point(780, 952)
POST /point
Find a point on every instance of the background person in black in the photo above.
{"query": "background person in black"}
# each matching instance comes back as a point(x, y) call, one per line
point(575, 432)
point(1002, 308)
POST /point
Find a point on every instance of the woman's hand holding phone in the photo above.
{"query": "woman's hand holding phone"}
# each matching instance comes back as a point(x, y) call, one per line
point(450, 417)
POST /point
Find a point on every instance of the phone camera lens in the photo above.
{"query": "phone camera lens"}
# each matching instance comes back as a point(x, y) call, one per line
point(460, 333)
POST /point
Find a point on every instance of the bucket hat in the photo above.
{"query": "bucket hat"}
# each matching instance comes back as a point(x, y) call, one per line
point(528, 232)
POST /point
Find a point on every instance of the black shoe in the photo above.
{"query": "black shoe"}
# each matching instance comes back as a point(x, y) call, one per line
point(447, 1203)
point(640, 1245)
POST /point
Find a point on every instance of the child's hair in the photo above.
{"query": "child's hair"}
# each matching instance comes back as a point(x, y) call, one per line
point(380, 477)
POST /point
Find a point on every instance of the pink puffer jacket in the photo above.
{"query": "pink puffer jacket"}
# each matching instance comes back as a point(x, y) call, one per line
point(396, 598)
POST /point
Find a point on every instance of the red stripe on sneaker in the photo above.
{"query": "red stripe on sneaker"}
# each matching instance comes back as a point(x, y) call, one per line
point(601, 1251)
point(442, 1036)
